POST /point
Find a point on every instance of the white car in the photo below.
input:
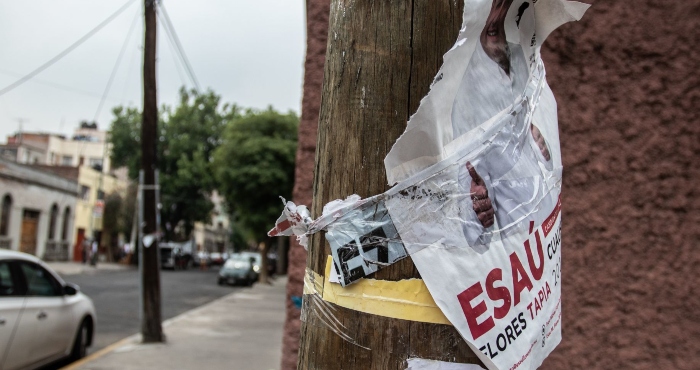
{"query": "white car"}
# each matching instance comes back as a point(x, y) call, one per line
point(42, 318)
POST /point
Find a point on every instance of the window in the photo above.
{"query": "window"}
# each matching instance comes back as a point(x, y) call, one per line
point(52, 222)
point(67, 160)
point(100, 195)
point(5, 214)
point(66, 221)
point(96, 163)
point(39, 281)
point(84, 192)
point(8, 286)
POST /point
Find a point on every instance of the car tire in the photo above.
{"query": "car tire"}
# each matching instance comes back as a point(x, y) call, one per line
point(220, 281)
point(81, 341)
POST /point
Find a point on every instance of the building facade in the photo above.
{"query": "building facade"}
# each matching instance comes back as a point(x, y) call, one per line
point(214, 236)
point(82, 159)
point(93, 188)
point(37, 210)
point(89, 213)
point(87, 147)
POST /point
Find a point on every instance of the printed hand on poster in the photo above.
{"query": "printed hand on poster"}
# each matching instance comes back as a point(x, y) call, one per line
point(480, 198)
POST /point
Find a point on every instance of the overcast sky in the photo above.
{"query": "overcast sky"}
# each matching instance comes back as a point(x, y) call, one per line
point(248, 51)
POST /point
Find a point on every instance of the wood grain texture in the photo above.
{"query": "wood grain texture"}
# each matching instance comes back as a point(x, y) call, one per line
point(381, 58)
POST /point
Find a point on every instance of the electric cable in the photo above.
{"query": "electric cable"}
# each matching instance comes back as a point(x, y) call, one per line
point(58, 57)
point(172, 37)
point(58, 86)
point(116, 66)
point(174, 53)
point(128, 71)
point(188, 66)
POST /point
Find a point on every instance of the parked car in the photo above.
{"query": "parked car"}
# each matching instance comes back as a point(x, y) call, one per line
point(257, 264)
point(271, 262)
point(216, 259)
point(175, 256)
point(238, 269)
point(42, 318)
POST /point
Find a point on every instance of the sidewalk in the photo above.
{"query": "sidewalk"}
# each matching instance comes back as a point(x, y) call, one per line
point(242, 330)
point(74, 268)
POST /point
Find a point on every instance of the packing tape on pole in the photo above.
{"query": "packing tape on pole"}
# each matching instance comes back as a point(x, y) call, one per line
point(405, 299)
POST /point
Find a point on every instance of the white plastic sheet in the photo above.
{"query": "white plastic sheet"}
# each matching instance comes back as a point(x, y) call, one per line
point(485, 144)
point(423, 364)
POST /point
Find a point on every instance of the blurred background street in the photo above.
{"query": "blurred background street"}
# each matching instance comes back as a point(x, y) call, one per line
point(115, 294)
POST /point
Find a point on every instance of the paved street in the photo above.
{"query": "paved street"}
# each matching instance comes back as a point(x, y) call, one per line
point(242, 330)
point(116, 298)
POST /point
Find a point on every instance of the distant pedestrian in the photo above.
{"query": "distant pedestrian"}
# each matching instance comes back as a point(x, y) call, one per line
point(85, 249)
point(93, 254)
point(126, 248)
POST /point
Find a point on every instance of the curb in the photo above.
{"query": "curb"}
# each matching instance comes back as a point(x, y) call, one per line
point(110, 348)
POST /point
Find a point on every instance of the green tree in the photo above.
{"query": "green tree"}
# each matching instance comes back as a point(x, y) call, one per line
point(110, 221)
point(254, 166)
point(125, 138)
point(189, 134)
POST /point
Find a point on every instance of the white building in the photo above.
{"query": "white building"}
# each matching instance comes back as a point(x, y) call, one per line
point(214, 236)
point(36, 211)
point(87, 147)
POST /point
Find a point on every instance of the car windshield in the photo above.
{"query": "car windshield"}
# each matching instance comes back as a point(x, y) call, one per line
point(236, 263)
point(238, 257)
point(256, 256)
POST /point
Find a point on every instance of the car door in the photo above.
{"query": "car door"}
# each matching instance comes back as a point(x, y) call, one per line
point(15, 340)
point(46, 310)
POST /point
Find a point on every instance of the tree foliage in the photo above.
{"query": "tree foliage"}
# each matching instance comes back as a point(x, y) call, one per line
point(188, 137)
point(113, 205)
point(255, 165)
point(125, 139)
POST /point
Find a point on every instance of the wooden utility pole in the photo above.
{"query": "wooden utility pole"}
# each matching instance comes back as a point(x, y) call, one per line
point(151, 329)
point(381, 59)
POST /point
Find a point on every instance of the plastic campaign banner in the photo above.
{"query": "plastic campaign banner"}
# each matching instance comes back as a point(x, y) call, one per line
point(479, 168)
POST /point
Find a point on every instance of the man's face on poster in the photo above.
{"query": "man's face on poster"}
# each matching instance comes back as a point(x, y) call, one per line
point(493, 36)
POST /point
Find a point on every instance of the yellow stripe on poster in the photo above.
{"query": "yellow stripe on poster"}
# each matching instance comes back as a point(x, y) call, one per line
point(405, 299)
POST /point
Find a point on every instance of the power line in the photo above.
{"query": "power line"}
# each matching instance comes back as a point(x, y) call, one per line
point(58, 86)
point(183, 56)
point(116, 65)
point(174, 53)
point(175, 41)
point(66, 51)
point(128, 72)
